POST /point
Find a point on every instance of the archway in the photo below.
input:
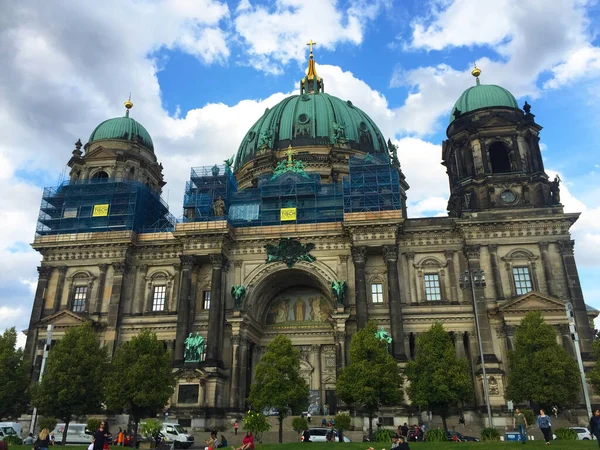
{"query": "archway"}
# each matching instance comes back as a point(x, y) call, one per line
point(499, 158)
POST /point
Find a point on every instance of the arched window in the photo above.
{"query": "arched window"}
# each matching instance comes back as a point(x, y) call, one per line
point(101, 174)
point(499, 159)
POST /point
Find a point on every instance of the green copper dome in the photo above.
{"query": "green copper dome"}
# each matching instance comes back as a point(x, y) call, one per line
point(311, 119)
point(483, 96)
point(123, 128)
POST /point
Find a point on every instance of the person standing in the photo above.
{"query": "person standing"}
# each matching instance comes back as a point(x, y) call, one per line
point(100, 437)
point(306, 436)
point(308, 417)
point(543, 421)
point(236, 425)
point(43, 440)
point(404, 430)
point(594, 426)
point(520, 423)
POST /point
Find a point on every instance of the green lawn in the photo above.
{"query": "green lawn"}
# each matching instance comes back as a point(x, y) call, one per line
point(556, 445)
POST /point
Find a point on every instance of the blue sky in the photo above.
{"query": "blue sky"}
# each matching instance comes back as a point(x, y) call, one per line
point(201, 72)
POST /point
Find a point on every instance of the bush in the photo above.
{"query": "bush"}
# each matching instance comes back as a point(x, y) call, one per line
point(150, 428)
point(257, 423)
point(47, 422)
point(93, 424)
point(490, 434)
point(343, 421)
point(383, 435)
point(12, 440)
point(529, 416)
point(299, 424)
point(436, 435)
point(565, 434)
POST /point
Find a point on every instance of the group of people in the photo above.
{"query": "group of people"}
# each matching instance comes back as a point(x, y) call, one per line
point(213, 442)
point(413, 433)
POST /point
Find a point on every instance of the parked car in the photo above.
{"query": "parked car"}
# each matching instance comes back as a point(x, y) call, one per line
point(6, 431)
point(175, 433)
point(14, 425)
point(320, 435)
point(583, 434)
point(76, 434)
point(461, 437)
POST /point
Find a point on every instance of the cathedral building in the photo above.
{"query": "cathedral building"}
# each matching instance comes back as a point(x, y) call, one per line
point(306, 233)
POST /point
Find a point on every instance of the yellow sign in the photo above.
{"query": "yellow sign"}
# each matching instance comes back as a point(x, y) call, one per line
point(100, 210)
point(288, 214)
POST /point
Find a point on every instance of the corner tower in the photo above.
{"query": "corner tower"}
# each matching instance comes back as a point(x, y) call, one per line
point(492, 154)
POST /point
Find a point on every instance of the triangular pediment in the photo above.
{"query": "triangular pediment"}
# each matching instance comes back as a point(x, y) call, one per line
point(496, 121)
point(65, 318)
point(189, 374)
point(100, 153)
point(532, 301)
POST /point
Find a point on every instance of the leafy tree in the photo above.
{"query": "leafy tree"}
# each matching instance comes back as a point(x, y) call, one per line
point(257, 424)
point(541, 370)
point(438, 379)
point(73, 380)
point(299, 424)
point(14, 379)
point(47, 422)
point(343, 421)
point(93, 424)
point(140, 380)
point(277, 381)
point(594, 375)
point(372, 378)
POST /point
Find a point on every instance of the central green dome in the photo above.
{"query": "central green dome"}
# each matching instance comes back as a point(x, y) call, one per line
point(311, 119)
point(483, 96)
point(122, 128)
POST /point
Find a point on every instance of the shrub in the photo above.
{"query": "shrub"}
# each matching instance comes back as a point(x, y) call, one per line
point(529, 416)
point(12, 439)
point(383, 435)
point(299, 424)
point(47, 422)
point(150, 428)
point(565, 434)
point(257, 423)
point(436, 435)
point(343, 421)
point(490, 434)
point(93, 424)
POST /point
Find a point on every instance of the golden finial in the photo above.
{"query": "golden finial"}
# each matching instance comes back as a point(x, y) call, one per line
point(476, 72)
point(290, 152)
point(310, 45)
point(128, 105)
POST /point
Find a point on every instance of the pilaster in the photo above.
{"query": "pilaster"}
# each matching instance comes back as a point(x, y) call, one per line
point(359, 257)
point(390, 256)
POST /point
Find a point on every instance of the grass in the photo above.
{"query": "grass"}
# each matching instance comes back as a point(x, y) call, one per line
point(555, 445)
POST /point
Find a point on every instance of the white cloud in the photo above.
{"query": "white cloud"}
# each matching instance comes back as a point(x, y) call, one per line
point(583, 63)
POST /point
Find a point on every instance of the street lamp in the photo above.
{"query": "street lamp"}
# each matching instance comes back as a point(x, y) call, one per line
point(470, 280)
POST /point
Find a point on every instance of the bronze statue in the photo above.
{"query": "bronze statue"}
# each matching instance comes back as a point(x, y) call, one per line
point(194, 348)
point(238, 292)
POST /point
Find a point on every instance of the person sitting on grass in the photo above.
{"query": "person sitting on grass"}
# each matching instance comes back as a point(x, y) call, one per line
point(402, 444)
point(247, 442)
point(223, 443)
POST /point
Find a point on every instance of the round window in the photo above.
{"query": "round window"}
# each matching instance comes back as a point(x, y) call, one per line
point(363, 126)
point(251, 136)
point(508, 196)
point(349, 103)
point(303, 118)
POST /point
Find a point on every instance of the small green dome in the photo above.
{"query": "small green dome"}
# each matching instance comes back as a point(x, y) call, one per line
point(123, 128)
point(483, 96)
point(311, 119)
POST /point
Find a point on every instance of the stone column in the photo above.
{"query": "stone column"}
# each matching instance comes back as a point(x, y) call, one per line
point(101, 286)
point(188, 263)
point(340, 340)
point(60, 285)
point(215, 322)
point(547, 268)
point(493, 249)
point(472, 254)
point(315, 351)
point(390, 256)
point(412, 278)
point(44, 274)
point(139, 303)
point(243, 370)
point(235, 372)
point(576, 295)
point(459, 345)
point(114, 306)
point(449, 254)
point(359, 257)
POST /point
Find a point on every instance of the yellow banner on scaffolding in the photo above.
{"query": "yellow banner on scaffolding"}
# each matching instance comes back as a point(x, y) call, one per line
point(287, 214)
point(100, 210)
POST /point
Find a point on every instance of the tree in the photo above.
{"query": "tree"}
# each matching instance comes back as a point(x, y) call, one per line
point(541, 370)
point(140, 381)
point(438, 379)
point(257, 424)
point(72, 384)
point(14, 379)
point(299, 424)
point(594, 376)
point(372, 379)
point(277, 381)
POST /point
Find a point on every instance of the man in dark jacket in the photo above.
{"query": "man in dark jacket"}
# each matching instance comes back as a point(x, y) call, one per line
point(306, 436)
point(595, 425)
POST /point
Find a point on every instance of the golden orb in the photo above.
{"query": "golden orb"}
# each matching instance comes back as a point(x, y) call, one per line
point(476, 72)
point(128, 104)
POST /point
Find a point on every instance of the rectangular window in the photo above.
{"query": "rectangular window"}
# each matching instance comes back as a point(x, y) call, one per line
point(188, 393)
point(377, 293)
point(206, 300)
point(522, 280)
point(158, 298)
point(79, 297)
point(432, 287)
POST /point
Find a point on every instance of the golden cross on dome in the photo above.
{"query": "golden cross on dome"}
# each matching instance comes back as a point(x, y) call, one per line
point(290, 152)
point(310, 44)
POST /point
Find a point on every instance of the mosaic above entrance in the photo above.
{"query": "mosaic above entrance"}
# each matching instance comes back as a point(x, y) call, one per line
point(299, 307)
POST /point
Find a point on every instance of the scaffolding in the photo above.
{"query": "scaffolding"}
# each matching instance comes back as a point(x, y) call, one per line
point(373, 185)
point(211, 194)
point(102, 205)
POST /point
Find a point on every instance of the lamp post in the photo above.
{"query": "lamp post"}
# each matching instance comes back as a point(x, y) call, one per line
point(575, 338)
point(47, 345)
point(470, 280)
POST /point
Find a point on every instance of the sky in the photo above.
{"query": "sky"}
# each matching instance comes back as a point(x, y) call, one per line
point(201, 72)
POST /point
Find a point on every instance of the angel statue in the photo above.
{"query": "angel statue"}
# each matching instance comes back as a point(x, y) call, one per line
point(238, 292)
point(228, 163)
point(383, 335)
point(339, 291)
point(393, 149)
